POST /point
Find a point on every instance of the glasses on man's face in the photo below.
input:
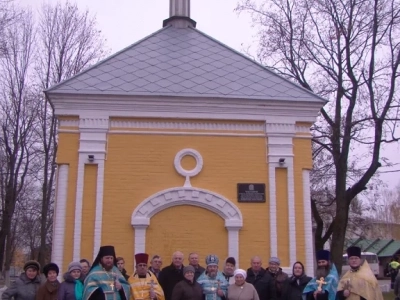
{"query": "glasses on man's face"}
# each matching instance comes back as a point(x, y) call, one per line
point(142, 265)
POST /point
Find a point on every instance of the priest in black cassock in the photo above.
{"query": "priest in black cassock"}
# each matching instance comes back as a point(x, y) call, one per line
point(104, 281)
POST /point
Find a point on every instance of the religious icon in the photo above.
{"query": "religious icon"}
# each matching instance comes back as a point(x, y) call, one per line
point(320, 282)
point(151, 288)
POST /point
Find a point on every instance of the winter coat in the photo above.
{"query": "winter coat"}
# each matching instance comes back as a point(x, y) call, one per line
point(22, 288)
point(293, 287)
point(168, 278)
point(279, 279)
point(48, 291)
point(186, 290)
point(263, 283)
point(66, 291)
point(396, 288)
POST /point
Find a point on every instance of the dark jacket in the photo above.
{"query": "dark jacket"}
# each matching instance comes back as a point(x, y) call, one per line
point(125, 274)
point(396, 287)
point(186, 290)
point(22, 288)
point(168, 278)
point(198, 271)
point(279, 279)
point(66, 291)
point(263, 283)
point(293, 287)
point(48, 291)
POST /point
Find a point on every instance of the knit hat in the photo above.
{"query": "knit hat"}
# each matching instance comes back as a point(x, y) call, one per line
point(275, 260)
point(50, 267)
point(231, 260)
point(74, 266)
point(212, 260)
point(241, 272)
point(188, 268)
point(32, 264)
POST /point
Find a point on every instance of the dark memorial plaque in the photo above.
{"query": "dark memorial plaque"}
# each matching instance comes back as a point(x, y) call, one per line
point(251, 192)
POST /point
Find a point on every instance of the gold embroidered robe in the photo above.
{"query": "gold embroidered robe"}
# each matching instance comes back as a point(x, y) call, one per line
point(361, 283)
point(140, 287)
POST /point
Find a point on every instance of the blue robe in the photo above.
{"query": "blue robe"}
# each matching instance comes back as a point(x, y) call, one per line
point(332, 282)
point(99, 281)
point(209, 285)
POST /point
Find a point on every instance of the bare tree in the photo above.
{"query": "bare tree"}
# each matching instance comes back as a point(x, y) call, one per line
point(348, 52)
point(7, 15)
point(68, 42)
point(18, 113)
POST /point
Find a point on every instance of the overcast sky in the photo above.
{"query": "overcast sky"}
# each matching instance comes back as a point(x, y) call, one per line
point(123, 22)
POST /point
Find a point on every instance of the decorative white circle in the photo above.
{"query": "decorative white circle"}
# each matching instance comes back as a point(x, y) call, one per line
point(188, 152)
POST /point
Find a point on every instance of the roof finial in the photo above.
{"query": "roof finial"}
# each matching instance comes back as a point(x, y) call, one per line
point(179, 14)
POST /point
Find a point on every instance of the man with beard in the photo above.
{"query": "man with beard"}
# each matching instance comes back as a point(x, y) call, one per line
point(144, 284)
point(325, 283)
point(212, 281)
point(104, 281)
point(359, 283)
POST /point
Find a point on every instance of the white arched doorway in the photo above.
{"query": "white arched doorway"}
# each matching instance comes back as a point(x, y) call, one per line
point(188, 196)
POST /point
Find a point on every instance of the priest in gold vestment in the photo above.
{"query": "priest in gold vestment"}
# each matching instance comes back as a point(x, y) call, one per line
point(359, 282)
point(144, 284)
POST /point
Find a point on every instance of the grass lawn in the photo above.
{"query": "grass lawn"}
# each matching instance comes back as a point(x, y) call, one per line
point(388, 296)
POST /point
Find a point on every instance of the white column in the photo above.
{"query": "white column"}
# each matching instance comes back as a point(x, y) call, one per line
point(291, 212)
point(308, 224)
point(99, 207)
point(233, 243)
point(140, 239)
point(78, 208)
point(272, 211)
point(59, 217)
point(280, 155)
point(179, 8)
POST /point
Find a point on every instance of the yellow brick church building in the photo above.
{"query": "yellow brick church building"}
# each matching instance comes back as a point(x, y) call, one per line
point(179, 142)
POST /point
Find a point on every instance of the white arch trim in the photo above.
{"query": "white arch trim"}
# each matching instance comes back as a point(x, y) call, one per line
point(188, 196)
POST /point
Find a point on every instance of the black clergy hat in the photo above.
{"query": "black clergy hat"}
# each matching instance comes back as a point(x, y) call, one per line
point(323, 255)
point(104, 251)
point(354, 251)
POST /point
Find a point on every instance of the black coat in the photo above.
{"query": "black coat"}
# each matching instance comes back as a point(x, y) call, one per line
point(99, 295)
point(198, 271)
point(293, 290)
point(263, 283)
point(340, 296)
point(185, 290)
point(168, 278)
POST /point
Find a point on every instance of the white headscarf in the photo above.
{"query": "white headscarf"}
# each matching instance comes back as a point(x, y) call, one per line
point(241, 272)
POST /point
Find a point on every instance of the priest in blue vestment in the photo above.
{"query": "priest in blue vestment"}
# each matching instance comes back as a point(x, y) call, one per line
point(104, 280)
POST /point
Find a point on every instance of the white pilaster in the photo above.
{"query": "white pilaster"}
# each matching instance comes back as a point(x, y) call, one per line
point(140, 239)
point(59, 217)
point(78, 208)
point(280, 155)
point(308, 224)
point(99, 207)
point(272, 211)
point(93, 142)
point(233, 243)
point(291, 211)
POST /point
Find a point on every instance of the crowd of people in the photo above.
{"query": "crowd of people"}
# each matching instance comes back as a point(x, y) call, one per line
point(107, 279)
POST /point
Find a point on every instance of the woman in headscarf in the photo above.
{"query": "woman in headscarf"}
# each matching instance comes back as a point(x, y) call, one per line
point(49, 290)
point(294, 286)
point(26, 285)
point(72, 287)
point(241, 290)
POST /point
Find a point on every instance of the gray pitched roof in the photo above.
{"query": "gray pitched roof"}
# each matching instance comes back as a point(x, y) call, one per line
point(183, 62)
